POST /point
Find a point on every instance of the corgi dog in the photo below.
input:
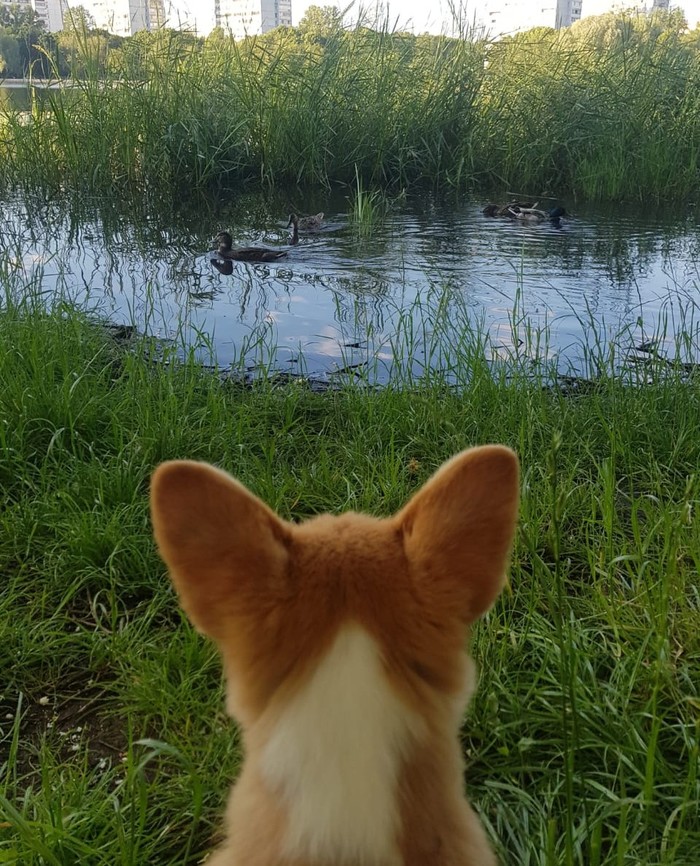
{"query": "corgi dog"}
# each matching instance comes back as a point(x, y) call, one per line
point(343, 643)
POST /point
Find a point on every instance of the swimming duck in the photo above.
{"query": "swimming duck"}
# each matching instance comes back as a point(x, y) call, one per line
point(245, 254)
point(534, 216)
point(306, 223)
point(504, 210)
point(294, 223)
point(224, 266)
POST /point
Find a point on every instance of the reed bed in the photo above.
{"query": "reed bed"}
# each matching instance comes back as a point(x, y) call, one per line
point(606, 109)
point(583, 739)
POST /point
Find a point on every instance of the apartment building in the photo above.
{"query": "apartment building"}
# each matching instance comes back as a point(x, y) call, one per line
point(506, 17)
point(250, 17)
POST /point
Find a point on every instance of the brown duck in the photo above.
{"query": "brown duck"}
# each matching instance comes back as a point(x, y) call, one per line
point(532, 216)
point(306, 223)
point(506, 210)
point(226, 250)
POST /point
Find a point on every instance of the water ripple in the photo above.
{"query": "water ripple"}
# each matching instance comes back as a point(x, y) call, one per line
point(341, 294)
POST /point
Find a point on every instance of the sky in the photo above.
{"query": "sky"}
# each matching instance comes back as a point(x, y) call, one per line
point(420, 15)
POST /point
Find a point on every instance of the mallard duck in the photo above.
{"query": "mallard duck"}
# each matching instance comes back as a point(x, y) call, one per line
point(306, 223)
point(532, 215)
point(555, 215)
point(504, 210)
point(223, 266)
point(245, 254)
point(294, 223)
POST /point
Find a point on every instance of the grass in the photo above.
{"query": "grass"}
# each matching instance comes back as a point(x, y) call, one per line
point(367, 208)
point(606, 109)
point(583, 739)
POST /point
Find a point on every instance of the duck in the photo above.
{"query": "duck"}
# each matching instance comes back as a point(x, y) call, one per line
point(503, 210)
point(306, 223)
point(224, 266)
point(245, 254)
point(533, 216)
point(294, 223)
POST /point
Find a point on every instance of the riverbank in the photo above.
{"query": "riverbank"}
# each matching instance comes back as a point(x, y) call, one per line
point(582, 741)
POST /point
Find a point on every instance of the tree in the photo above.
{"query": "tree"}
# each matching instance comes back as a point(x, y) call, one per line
point(78, 18)
point(19, 20)
point(10, 62)
point(23, 25)
point(320, 23)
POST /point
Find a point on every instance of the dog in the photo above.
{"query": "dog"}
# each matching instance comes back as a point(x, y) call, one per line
point(343, 645)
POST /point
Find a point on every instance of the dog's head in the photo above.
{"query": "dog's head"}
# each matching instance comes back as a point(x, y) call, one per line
point(274, 595)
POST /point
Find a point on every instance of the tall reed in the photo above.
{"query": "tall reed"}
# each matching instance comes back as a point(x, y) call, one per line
point(608, 108)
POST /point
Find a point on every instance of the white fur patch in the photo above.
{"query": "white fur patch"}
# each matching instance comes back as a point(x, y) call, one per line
point(335, 755)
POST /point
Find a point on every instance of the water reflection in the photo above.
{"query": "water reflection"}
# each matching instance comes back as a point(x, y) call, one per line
point(422, 282)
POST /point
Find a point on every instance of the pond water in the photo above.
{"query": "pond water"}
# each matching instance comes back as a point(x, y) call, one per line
point(407, 293)
point(16, 94)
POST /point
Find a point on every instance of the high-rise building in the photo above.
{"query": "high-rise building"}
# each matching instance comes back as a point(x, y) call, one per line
point(50, 14)
point(156, 14)
point(121, 17)
point(506, 17)
point(244, 18)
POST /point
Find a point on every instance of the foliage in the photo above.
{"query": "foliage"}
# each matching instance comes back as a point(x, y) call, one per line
point(320, 24)
point(608, 108)
point(10, 62)
point(19, 19)
point(78, 18)
point(21, 34)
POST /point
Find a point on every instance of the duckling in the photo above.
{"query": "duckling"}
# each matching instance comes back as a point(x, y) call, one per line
point(307, 223)
point(246, 254)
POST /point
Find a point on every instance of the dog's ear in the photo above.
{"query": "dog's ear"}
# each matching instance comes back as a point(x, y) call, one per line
point(458, 531)
point(223, 546)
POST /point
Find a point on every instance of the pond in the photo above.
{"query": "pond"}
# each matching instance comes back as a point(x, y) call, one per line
point(17, 93)
point(419, 285)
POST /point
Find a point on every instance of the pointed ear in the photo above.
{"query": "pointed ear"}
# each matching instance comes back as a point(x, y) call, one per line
point(458, 530)
point(221, 544)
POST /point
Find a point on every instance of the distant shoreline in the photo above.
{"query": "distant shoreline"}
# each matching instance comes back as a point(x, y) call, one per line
point(43, 83)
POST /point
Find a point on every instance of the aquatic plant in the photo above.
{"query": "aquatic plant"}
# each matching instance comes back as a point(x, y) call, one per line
point(607, 108)
point(367, 207)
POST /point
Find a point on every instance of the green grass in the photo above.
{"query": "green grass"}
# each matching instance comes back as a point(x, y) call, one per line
point(583, 739)
point(367, 208)
point(606, 109)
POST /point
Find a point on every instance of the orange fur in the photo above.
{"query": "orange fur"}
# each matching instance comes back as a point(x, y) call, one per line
point(369, 614)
